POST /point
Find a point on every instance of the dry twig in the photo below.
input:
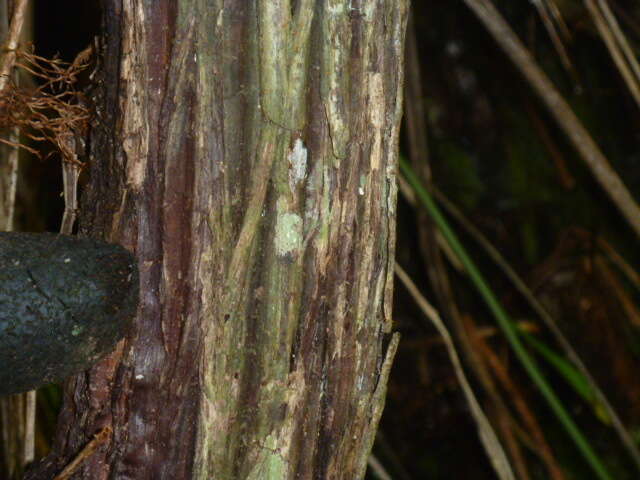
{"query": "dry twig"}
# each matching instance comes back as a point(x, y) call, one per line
point(89, 449)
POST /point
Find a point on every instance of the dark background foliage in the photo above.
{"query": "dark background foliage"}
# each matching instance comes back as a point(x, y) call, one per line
point(494, 150)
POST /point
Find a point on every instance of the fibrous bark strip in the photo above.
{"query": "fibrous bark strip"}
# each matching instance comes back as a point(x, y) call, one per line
point(246, 151)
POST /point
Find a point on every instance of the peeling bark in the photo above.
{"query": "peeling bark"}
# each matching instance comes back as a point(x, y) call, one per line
point(246, 152)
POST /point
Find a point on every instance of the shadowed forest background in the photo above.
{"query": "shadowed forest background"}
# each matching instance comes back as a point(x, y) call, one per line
point(489, 171)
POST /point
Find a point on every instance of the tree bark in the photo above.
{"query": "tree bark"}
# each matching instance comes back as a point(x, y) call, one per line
point(246, 152)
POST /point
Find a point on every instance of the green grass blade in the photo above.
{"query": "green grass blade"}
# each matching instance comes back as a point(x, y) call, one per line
point(506, 325)
point(571, 375)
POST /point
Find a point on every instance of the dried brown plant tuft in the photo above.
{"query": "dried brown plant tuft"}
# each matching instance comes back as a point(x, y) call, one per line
point(53, 111)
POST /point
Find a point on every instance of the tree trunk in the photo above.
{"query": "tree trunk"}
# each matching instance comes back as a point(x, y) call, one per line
point(246, 152)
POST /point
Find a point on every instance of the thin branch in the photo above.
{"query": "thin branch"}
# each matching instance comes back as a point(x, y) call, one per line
point(71, 167)
point(99, 438)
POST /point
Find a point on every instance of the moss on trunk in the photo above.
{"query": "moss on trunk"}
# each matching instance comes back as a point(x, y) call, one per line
point(247, 153)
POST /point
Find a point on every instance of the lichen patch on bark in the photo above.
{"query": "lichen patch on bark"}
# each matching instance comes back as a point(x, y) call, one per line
point(256, 184)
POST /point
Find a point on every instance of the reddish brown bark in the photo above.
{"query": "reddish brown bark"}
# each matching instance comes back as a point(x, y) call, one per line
point(246, 153)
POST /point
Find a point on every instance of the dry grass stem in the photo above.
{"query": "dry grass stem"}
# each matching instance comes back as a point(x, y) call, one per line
point(566, 179)
point(8, 185)
point(548, 17)
point(11, 408)
point(11, 44)
point(614, 39)
point(548, 320)
point(621, 37)
point(618, 290)
point(559, 19)
point(30, 427)
point(377, 469)
point(7, 201)
point(532, 427)
point(617, 259)
point(495, 452)
point(504, 424)
point(559, 109)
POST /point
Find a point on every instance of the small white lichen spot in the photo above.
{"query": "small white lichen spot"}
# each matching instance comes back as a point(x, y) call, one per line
point(336, 7)
point(368, 10)
point(297, 164)
point(288, 237)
